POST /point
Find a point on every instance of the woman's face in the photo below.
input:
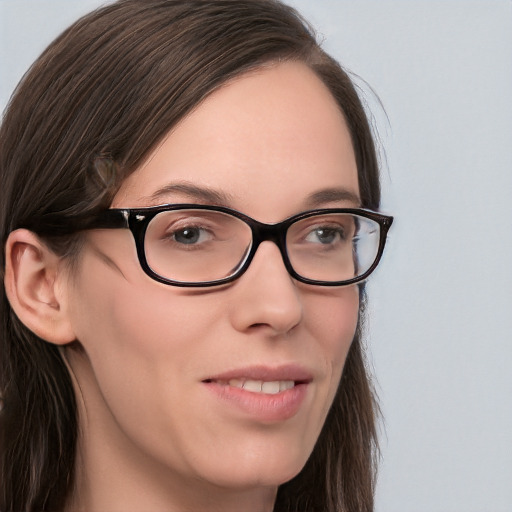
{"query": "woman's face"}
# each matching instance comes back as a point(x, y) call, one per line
point(162, 365)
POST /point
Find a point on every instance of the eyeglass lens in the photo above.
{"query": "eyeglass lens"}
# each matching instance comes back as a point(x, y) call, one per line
point(201, 245)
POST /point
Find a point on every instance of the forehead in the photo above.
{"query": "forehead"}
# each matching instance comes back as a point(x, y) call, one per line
point(266, 141)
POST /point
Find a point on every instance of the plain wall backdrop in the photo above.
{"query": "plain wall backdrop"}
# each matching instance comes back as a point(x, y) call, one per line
point(440, 326)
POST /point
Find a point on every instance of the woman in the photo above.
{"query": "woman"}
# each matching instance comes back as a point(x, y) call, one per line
point(186, 196)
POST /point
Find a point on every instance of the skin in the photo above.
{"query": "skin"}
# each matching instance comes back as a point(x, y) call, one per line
point(153, 436)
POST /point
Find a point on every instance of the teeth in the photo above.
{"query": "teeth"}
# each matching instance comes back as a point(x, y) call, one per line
point(259, 386)
point(270, 387)
point(236, 383)
point(253, 385)
point(286, 384)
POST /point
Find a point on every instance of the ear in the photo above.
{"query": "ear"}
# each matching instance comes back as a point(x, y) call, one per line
point(36, 286)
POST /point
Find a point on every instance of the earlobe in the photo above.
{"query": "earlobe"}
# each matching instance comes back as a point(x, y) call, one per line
point(35, 286)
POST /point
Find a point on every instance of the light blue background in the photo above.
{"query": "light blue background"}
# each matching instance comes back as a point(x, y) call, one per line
point(440, 329)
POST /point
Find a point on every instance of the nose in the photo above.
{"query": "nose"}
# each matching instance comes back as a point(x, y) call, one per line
point(266, 296)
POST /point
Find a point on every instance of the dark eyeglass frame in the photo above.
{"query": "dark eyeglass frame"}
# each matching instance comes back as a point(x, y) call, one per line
point(138, 219)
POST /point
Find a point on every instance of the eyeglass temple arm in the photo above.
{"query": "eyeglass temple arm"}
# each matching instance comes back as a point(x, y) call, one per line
point(110, 219)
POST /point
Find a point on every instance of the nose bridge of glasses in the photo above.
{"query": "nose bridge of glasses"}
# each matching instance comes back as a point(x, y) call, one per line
point(272, 233)
point(275, 233)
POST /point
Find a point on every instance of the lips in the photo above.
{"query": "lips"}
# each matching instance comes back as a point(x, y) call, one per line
point(292, 372)
point(262, 393)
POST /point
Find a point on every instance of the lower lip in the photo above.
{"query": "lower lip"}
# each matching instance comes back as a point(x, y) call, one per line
point(263, 407)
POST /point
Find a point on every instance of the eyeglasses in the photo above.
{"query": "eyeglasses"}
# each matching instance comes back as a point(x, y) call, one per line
point(202, 245)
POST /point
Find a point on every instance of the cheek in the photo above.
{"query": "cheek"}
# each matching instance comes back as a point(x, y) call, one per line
point(332, 321)
point(135, 333)
point(117, 308)
point(138, 336)
point(333, 317)
point(143, 351)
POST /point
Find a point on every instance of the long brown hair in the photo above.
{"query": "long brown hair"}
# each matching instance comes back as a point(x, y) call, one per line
point(87, 113)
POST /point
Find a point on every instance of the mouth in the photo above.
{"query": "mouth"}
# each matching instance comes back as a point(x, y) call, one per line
point(272, 387)
point(265, 394)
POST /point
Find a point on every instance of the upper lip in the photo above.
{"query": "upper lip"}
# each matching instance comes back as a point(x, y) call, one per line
point(265, 373)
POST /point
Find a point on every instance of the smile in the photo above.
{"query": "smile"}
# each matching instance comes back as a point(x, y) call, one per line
point(259, 386)
point(265, 394)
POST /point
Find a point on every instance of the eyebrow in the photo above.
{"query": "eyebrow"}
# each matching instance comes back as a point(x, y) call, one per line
point(203, 194)
point(212, 196)
point(332, 195)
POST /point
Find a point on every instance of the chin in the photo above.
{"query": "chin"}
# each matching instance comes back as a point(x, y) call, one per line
point(256, 471)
